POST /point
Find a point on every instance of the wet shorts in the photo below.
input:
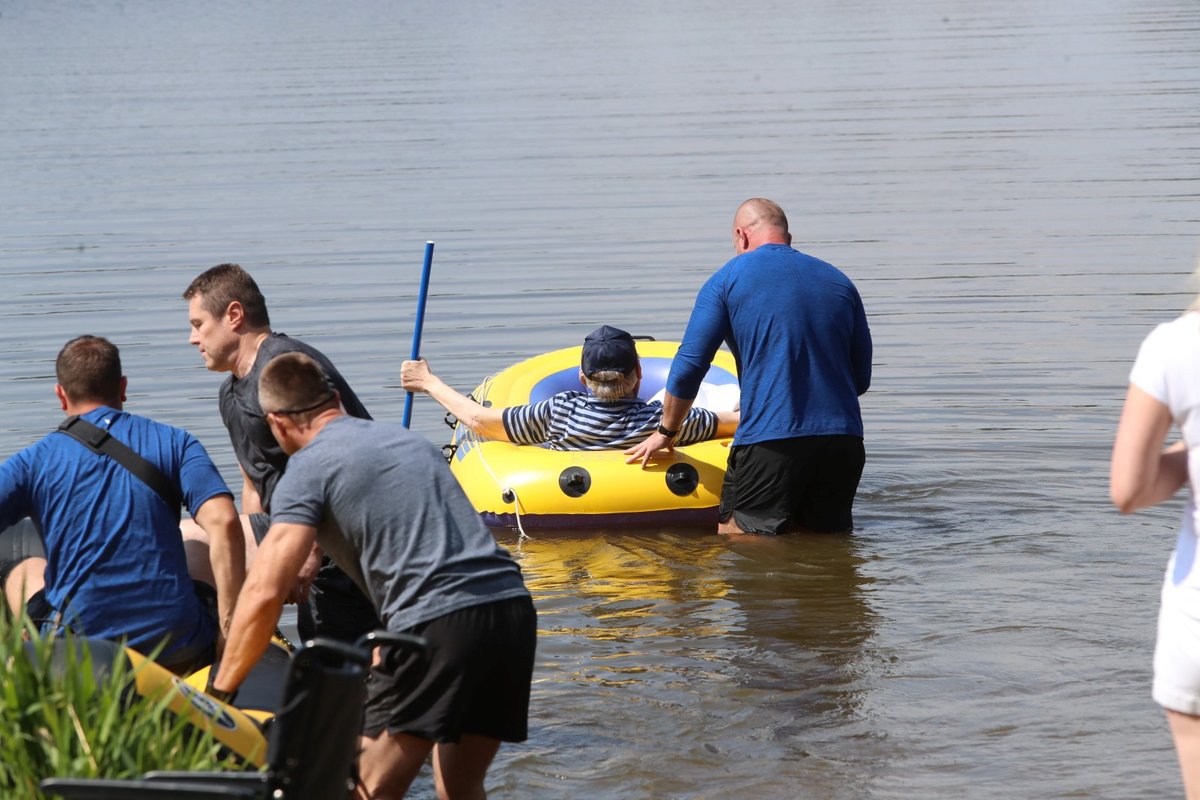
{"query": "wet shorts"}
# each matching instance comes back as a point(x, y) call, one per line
point(805, 483)
point(336, 607)
point(474, 679)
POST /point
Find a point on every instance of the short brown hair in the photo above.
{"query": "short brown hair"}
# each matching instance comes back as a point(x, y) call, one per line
point(89, 368)
point(294, 383)
point(222, 285)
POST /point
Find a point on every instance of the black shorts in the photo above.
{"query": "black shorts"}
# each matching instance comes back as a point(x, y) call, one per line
point(39, 610)
point(336, 607)
point(475, 678)
point(807, 483)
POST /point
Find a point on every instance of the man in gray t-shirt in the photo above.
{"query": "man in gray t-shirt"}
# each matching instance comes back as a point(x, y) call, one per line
point(382, 503)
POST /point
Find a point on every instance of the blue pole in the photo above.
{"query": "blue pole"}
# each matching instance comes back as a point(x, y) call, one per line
point(419, 324)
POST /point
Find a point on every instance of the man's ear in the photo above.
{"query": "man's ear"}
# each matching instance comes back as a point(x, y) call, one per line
point(61, 395)
point(582, 379)
point(236, 315)
point(124, 386)
point(274, 424)
point(739, 240)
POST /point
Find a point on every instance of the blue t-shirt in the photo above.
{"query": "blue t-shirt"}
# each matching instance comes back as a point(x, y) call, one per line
point(798, 332)
point(115, 560)
point(580, 421)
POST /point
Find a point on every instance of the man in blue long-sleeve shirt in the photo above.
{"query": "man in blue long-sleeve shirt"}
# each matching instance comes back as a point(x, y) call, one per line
point(798, 332)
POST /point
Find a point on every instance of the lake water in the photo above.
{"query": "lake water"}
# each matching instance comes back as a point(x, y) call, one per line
point(1014, 187)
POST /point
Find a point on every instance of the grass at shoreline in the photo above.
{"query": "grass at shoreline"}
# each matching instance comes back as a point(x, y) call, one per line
point(66, 715)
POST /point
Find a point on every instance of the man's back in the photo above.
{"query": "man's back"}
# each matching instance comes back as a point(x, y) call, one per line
point(113, 546)
point(389, 511)
point(797, 328)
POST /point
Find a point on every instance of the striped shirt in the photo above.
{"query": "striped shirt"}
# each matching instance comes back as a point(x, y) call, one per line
point(578, 421)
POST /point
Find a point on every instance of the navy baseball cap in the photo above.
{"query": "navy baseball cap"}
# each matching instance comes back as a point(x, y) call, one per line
point(608, 348)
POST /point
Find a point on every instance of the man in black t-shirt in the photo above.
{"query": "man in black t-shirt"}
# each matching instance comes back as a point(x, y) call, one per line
point(231, 328)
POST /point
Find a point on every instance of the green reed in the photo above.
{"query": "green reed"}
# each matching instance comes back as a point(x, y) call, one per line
point(66, 718)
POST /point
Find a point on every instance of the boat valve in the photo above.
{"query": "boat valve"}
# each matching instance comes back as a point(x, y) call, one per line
point(682, 479)
point(574, 481)
point(508, 495)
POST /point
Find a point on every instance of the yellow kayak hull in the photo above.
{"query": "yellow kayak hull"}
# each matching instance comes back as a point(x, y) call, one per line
point(523, 486)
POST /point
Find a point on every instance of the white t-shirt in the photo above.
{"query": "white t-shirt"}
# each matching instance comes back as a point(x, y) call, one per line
point(1168, 369)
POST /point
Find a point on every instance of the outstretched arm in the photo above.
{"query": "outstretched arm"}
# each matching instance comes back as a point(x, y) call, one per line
point(226, 552)
point(727, 422)
point(674, 411)
point(276, 564)
point(415, 376)
point(251, 502)
point(1143, 473)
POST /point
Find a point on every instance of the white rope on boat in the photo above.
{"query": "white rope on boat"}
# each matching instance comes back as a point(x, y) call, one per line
point(506, 490)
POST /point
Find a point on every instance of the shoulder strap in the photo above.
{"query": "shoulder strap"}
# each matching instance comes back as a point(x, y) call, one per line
point(99, 440)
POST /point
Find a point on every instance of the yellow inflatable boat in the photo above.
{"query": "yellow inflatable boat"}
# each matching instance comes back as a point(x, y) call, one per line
point(523, 486)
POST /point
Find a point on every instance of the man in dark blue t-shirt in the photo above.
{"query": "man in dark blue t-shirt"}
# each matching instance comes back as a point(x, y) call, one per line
point(798, 332)
point(115, 565)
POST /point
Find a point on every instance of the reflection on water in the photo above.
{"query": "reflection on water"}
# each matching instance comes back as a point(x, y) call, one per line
point(697, 647)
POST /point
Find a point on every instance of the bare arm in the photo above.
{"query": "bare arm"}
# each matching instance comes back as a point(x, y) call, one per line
point(1143, 473)
point(415, 376)
point(279, 558)
point(674, 410)
point(251, 502)
point(226, 552)
point(727, 422)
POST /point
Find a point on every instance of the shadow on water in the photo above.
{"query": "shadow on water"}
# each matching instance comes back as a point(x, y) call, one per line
point(697, 650)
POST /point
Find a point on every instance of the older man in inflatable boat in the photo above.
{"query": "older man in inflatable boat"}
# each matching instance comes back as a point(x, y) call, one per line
point(608, 415)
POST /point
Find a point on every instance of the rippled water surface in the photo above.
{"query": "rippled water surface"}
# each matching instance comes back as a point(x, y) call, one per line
point(1013, 187)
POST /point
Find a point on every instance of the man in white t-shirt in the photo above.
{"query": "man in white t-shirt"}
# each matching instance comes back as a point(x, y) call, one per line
point(609, 415)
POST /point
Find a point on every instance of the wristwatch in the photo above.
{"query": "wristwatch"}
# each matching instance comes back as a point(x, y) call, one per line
point(667, 433)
